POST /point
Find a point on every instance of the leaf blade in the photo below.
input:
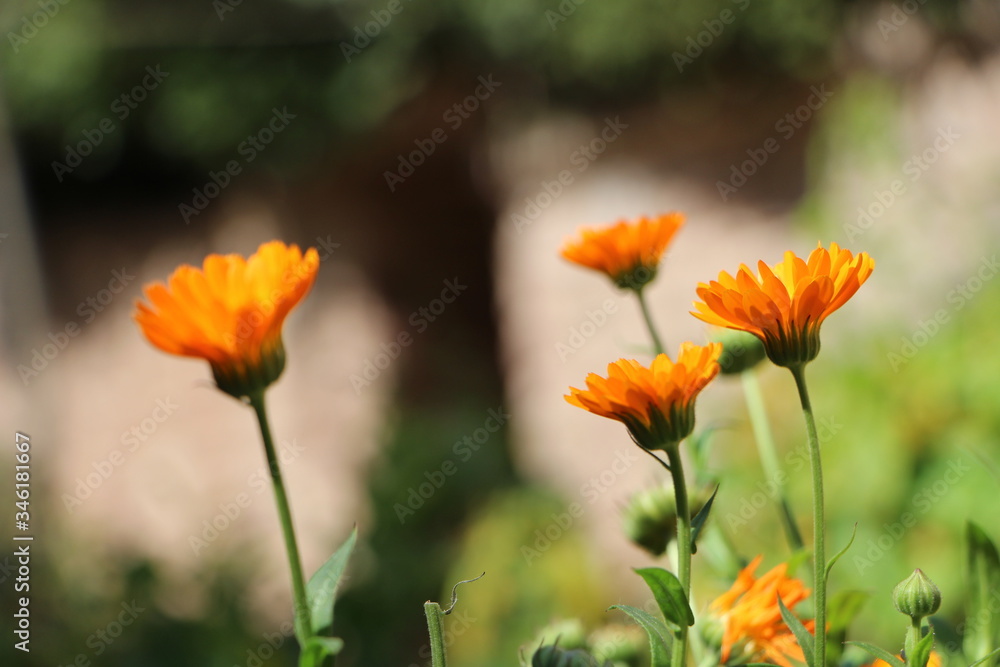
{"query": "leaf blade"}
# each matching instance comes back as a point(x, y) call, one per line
point(322, 587)
point(669, 595)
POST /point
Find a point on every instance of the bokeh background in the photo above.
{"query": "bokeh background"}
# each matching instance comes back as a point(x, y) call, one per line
point(449, 148)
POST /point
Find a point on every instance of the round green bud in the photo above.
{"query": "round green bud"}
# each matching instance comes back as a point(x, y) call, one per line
point(553, 656)
point(567, 633)
point(650, 518)
point(741, 351)
point(916, 596)
point(618, 643)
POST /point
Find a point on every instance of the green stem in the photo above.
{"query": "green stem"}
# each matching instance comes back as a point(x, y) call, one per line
point(435, 628)
point(913, 637)
point(303, 622)
point(768, 457)
point(657, 344)
point(819, 521)
point(679, 656)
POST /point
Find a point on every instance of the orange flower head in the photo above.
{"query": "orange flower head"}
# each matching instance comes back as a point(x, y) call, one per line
point(628, 252)
point(785, 305)
point(752, 620)
point(230, 313)
point(933, 661)
point(655, 403)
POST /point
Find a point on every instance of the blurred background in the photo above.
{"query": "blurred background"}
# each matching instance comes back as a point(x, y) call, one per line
point(437, 154)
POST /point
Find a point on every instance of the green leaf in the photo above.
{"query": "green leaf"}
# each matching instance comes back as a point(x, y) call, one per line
point(322, 587)
point(843, 607)
point(982, 635)
point(669, 595)
point(659, 634)
point(836, 557)
point(797, 560)
point(922, 651)
point(318, 649)
point(992, 654)
point(804, 637)
point(879, 653)
point(698, 522)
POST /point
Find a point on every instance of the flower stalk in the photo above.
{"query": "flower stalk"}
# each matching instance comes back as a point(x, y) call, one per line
point(819, 520)
point(648, 317)
point(303, 622)
point(768, 457)
point(683, 543)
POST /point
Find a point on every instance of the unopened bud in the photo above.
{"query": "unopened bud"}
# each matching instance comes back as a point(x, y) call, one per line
point(741, 351)
point(916, 596)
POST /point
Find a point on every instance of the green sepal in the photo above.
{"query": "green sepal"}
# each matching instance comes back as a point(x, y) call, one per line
point(322, 587)
point(698, 522)
point(803, 636)
point(658, 633)
point(669, 595)
point(880, 653)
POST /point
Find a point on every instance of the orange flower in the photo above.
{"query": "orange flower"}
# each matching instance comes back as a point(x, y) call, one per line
point(933, 661)
point(786, 305)
point(628, 252)
point(752, 620)
point(655, 403)
point(230, 313)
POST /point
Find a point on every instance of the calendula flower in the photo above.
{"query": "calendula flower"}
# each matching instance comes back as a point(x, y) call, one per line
point(655, 403)
point(230, 313)
point(785, 305)
point(933, 661)
point(628, 252)
point(751, 618)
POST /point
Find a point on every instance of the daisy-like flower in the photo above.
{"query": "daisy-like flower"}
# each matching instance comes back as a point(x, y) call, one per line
point(655, 403)
point(628, 252)
point(230, 313)
point(785, 305)
point(751, 618)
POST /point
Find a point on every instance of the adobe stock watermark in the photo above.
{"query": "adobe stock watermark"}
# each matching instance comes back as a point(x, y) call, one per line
point(580, 160)
point(586, 329)
point(921, 502)
point(901, 13)
point(121, 107)
point(786, 127)
point(463, 451)
point(102, 638)
point(38, 20)
point(58, 340)
point(363, 36)
point(769, 490)
point(453, 117)
point(131, 440)
point(697, 44)
point(914, 168)
point(248, 149)
point(231, 510)
point(420, 320)
point(590, 491)
point(959, 297)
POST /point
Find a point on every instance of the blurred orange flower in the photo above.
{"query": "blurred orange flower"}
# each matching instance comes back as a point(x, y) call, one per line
point(752, 620)
point(655, 403)
point(628, 252)
point(786, 305)
point(933, 661)
point(230, 312)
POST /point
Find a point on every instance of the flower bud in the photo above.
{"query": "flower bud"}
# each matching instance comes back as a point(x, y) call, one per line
point(650, 519)
point(741, 351)
point(553, 656)
point(916, 596)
